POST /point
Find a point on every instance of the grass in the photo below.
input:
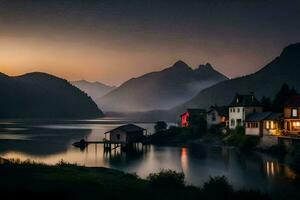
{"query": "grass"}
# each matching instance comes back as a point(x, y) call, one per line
point(67, 181)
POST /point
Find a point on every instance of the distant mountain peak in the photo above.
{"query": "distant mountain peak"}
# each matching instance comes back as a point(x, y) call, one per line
point(206, 66)
point(180, 64)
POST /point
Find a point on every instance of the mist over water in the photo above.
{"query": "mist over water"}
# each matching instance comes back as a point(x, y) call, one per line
point(50, 142)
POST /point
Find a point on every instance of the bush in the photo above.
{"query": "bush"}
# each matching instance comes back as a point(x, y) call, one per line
point(217, 188)
point(160, 126)
point(167, 178)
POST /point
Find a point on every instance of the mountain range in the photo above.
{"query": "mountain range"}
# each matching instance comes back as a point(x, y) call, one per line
point(94, 89)
point(160, 90)
point(40, 95)
point(265, 82)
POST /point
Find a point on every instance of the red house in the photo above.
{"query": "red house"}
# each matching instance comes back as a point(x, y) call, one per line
point(184, 119)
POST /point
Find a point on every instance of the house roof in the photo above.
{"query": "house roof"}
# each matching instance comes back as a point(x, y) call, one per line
point(256, 117)
point(293, 101)
point(128, 128)
point(274, 116)
point(221, 110)
point(244, 100)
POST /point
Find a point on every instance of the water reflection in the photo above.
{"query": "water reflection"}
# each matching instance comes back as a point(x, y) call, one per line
point(184, 160)
point(51, 142)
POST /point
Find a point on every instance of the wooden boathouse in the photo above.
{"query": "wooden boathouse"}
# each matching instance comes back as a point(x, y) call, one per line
point(122, 136)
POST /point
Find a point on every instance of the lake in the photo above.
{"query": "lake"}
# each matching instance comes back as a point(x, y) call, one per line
point(51, 141)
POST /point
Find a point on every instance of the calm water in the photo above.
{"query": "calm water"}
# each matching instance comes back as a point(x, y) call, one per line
point(50, 142)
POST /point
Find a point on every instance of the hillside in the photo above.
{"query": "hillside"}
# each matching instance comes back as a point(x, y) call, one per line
point(160, 90)
point(93, 89)
point(265, 82)
point(40, 95)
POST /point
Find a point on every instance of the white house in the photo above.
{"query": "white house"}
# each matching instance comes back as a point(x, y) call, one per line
point(241, 107)
point(217, 115)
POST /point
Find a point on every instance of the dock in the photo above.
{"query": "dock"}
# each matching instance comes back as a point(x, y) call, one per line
point(123, 136)
point(108, 145)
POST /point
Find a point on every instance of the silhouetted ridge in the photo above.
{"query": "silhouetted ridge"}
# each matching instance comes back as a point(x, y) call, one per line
point(180, 64)
point(40, 95)
point(291, 52)
point(207, 66)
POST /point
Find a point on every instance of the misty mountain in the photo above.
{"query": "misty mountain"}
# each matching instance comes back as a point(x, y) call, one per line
point(40, 95)
point(266, 82)
point(93, 89)
point(160, 90)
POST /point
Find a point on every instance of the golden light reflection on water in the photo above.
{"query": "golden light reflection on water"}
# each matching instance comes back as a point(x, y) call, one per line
point(273, 169)
point(91, 157)
point(184, 159)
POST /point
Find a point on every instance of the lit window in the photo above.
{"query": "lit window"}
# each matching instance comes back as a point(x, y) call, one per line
point(272, 125)
point(296, 124)
point(294, 112)
point(267, 125)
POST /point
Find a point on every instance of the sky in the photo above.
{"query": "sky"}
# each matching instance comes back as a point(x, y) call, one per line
point(112, 41)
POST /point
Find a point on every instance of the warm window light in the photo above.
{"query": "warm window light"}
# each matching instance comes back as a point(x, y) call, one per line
point(296, 124)
point(267, 125)
point(272, 125)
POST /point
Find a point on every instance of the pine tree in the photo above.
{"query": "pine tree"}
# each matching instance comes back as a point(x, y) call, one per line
point(282, 96)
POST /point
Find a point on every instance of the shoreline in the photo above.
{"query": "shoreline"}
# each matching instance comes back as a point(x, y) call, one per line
point(69, 181)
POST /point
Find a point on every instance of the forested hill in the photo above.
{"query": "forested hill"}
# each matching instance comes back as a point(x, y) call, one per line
point(40, 95)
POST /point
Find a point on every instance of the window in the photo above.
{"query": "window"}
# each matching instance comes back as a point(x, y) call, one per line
point(118, 136)
point(213, 117)
point(296, 124)
point(232, 122)
point(238, 110)
point(294, 112)
point(248, 125)
point(272, 125)
point(267, 125)
point(233, 110)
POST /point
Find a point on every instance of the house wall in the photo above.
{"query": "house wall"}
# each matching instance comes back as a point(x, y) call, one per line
point(250, 129)
point(288, 112)
point(271, 129)
point(235, 114)
point(114, 136)
point(240, 113)
point(213, 118)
